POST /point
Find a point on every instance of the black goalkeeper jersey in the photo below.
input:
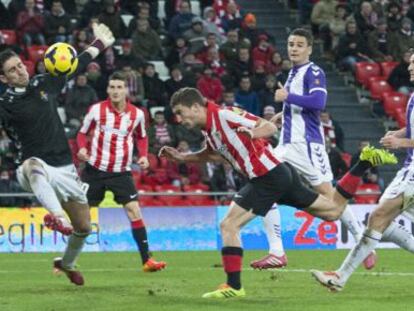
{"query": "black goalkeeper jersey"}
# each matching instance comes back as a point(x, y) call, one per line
point(31, 120)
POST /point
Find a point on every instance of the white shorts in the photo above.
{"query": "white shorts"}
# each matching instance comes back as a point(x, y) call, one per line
point(64, 180)
point(403, 180)
point(309, 159)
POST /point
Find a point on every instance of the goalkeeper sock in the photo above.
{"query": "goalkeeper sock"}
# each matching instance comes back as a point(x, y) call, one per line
point(139, 232)
point(357, 255)
point(73, 249)
point(232, 262)
point(352, 224)
point(273, 234)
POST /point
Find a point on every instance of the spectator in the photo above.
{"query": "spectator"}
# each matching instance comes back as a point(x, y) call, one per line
point(230, 49)
point(81, 40)
point(394, 16)
point(323, 13)
point(97, 80)
point(332, 130)
point(246, 97)
point(91, 9)
point(365, 18)
point(176, 53)
point(338, 165)
point(78, 99)
point(57, 24)
point(30, 25)
point(112, 18)
point(268, 113)
point(154, 87)
point(196, 36)
point(181, 21)
point(135, 84)
point(336, 29)
point(351, 47)
point(282, 75)
point(211, 43)
point(146, 42)
point(267, 95)
point(305, 10)
point(192, 136)
point(210, 86)
point(229, 99)
point(175, 82)
point(232, 19)
point(259, 77)
point(399, 78)
point(213, 24)
point(129, 58)
point(183, 173)
point(250, 31)
point(275, 64)
point(212, 59)
point(380, 43)
point(224, 178)
point(263, 52)
point(5, 20)
point(160, 133)
point(143, 14)
point(193, 67)
point(403, 40)
point(243, 65)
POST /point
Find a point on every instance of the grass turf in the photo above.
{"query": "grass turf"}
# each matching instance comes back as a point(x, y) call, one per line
point(114, 282)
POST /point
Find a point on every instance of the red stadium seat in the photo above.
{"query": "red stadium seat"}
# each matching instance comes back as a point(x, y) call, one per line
point(150, 201)
point(387, 68)
point(30, 67)
point(9, 35)
point(167, 188)
point(393, 101)
point(367, 194)
point(36, 52)
point(198, 188)
point(400, 117)
point(153, 161)
point(175, 201)
point(365, 70)
point(378, 87)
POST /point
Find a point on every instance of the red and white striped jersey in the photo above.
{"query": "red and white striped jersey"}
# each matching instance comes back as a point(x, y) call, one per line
point(252, 158)
point(113, 134)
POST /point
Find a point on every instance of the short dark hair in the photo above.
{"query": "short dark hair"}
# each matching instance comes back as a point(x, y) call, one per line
point(187, 96)
point(4, 57)
point(302, 32)
point(118, 75)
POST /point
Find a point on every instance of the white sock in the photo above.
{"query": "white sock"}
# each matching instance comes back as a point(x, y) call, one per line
point(399, 235)
point(356, 256)
point(352, 224)
point(44, 192)
point(73, 249)
point(273, 232)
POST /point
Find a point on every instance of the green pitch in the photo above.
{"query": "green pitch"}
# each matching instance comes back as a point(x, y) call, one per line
point(114, 282)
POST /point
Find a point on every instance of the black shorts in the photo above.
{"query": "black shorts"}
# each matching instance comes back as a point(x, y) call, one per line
point(280, 185)
point(121, 184)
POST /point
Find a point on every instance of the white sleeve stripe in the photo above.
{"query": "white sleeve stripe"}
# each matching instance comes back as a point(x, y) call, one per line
point(87, 121)
point(318, 89)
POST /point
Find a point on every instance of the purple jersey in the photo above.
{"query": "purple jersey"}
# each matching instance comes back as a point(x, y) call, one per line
point(306, 85)
point(409, 129)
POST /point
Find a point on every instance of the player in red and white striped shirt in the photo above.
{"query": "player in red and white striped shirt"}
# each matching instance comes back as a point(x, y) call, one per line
point(238, 137)
point(113, 125)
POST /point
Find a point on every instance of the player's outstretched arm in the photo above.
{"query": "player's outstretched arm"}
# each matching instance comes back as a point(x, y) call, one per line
point(263, 129)
point(204, 155)
point(394, 142)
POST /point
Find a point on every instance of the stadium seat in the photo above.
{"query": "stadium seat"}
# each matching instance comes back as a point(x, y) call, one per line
point(150, 201)
point(367, 194)
point(365, 70)
point(9, 35)
point(175, 201)
point(392, 101)
point(30, 67)
point(36, 52)
point(387, 68)
point(161, 69)
point(377, 87)
point(198, 189)
point(167, 188)
point(400, 117)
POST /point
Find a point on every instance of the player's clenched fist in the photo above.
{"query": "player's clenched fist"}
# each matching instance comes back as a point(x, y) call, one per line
point(83, 154)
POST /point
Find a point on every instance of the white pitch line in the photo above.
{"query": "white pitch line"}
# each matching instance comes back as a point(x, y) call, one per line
point(403, 274)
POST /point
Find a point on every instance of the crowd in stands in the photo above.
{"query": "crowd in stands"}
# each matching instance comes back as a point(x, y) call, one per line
point(220, 50)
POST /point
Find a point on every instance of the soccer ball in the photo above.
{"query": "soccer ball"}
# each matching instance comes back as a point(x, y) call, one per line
point(61, 59)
